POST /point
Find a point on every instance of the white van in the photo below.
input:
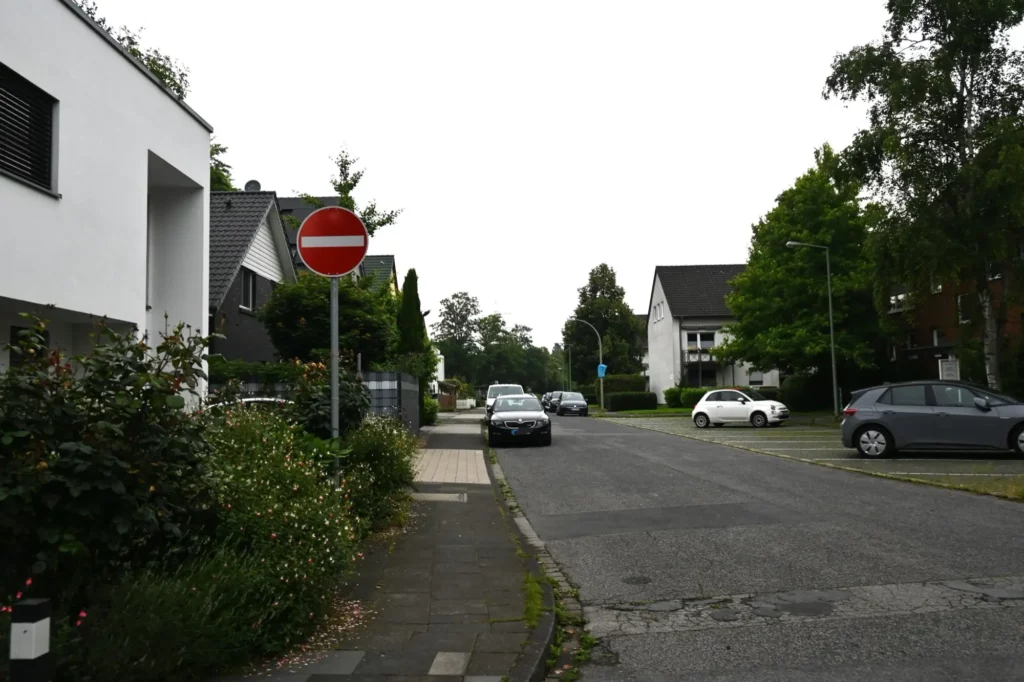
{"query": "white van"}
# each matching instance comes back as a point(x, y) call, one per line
point(495, 390)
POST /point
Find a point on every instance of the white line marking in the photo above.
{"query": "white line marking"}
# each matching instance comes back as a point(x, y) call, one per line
point(901, 459)
point(314, 242)
point(942, 473)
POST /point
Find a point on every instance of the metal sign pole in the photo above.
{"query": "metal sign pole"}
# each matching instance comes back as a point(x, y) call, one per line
point(334, 357)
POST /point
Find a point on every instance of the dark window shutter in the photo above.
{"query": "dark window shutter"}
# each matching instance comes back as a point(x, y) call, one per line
point(26, 129)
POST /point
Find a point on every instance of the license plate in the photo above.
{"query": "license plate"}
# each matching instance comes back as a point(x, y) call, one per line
point(521, 432)
point(575, 409)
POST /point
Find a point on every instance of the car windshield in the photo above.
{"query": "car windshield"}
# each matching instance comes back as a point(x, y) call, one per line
point(572, 396)
point(525, 404)
point(752, 394)
point(495, 391)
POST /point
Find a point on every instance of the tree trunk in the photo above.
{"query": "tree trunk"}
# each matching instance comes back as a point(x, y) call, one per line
point(990, 341)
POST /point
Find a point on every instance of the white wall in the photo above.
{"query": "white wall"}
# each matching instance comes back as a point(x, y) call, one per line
point(662, 345)
point(86, 251)
point(262, 256)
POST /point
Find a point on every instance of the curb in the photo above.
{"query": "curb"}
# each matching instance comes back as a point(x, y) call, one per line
point(531, 666)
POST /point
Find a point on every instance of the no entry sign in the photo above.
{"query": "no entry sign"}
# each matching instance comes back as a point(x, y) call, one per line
point(332, 241)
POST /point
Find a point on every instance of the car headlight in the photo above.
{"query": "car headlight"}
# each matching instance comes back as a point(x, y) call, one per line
point(773, 408)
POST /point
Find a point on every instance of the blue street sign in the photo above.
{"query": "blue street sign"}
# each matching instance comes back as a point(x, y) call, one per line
point(601, 370)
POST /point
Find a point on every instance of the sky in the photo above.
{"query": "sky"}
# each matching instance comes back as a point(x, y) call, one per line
point(526, 142)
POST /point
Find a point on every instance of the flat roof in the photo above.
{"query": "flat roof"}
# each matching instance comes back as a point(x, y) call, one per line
point(73, 6)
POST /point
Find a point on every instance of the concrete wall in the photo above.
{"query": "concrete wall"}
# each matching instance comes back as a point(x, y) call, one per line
point(662, 345)
point(85, 250)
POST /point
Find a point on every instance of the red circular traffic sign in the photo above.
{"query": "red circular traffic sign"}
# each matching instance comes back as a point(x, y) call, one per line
point(332, 241)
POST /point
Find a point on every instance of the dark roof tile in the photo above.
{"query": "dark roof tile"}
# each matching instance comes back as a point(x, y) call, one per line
point(234, 219)
point(697, 290)
point(380, 267)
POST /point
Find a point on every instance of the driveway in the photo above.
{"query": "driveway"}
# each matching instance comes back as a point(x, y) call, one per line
point(700, 561)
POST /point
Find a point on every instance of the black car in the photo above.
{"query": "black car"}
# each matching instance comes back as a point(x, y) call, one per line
point(518, 418)
point(553, 401)
point(572, 403)
point(544, 401)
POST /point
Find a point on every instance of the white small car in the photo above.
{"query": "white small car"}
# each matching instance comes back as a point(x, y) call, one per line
point(732, 406)
point(495, 390)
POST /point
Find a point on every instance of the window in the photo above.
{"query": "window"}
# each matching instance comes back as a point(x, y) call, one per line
point(17, 358)
point(908, 395)
point(715, 397)
point(952, 396)
point(938, 338)
point(704, 340)
point(26, 122)
point(897, 303)
point(963, 314)
point(248, 289)
point(756, 378)
point(936, 285)
point(730, 397)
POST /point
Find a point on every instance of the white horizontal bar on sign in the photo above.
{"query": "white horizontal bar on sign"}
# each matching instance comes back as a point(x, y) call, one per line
point(381, 385)
point(310, 242)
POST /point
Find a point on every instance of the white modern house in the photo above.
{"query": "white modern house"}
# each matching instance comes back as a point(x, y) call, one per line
point(104, 181)
point(687, 317)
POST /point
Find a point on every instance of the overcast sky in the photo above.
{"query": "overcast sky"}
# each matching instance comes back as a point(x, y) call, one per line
point(526, 142)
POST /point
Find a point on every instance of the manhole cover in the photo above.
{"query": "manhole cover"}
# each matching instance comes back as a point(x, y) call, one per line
point(636, 580)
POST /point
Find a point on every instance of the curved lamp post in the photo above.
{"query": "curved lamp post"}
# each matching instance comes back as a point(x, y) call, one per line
point(831, 327)
point(600, 353)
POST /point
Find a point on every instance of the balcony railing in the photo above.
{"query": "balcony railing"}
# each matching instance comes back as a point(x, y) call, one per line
point(695, 355)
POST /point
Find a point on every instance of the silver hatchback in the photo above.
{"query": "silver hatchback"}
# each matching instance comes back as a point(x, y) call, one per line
point(931, 415)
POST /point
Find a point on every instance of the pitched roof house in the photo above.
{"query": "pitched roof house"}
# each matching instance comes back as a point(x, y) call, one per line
point(249, 256)
point(686, 319)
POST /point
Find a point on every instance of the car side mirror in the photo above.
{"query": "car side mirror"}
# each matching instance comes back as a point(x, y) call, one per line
point(744, 401)
point(982, 404)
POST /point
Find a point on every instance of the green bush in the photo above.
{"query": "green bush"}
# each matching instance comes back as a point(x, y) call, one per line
point(689, 397)
point(806, 393)
point(101, 467)
point(591, 398)
point(624, 383)
point(311, 405)
point(769, 392)
point(264, 373)
point(672, 397)
point(635, 400)
point(430, 410)
point(378, 467)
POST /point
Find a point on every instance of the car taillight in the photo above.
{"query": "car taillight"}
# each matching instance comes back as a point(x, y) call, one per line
point(850, 411)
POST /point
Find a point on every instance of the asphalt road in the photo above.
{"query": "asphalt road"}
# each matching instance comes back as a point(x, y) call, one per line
point(699, 561)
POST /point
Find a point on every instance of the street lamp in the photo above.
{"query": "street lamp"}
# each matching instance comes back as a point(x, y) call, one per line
point(600, 353)
point(831, 326)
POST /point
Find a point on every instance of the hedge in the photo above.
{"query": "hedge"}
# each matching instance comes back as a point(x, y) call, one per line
point(591, 398)
point(619, 383)
point(769, 392)
point(689, 397)
point(672, 397)
point(264, 373)
point(632, 400)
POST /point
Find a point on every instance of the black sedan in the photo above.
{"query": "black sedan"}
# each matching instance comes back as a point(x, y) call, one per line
point(572, 403)
point(553, 399)
point(518, 418)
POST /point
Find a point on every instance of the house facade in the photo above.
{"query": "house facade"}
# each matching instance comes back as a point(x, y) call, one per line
point(687, 318)
point(249, 256)
point(109, 200)
point(936, 324)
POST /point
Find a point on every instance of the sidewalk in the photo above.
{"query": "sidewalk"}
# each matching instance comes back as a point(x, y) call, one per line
point(448, 598)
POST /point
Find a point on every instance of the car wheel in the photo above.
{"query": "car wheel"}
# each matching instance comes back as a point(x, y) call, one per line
point(873, 442)
point(759, 420)
point(701, 420)
point(1017, 440)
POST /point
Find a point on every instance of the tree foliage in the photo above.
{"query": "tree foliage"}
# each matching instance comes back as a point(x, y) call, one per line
point(944, 148)
point(220, 171)
point(297, 318)
point(165, 68)
point(780, 301)
point(345, 182)
point(602, 304)
point(455, 333)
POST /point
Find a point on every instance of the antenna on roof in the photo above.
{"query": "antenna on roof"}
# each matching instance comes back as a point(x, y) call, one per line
point(252, 186)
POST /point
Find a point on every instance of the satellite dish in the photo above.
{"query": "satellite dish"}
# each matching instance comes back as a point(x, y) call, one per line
point(252, 186)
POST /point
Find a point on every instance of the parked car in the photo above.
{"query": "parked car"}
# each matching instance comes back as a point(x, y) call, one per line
point(931, 415)
point(733, 406)
point(544, 401)
point(495, 390)
point(572, 403)
point(553, 400)
point(518, 418)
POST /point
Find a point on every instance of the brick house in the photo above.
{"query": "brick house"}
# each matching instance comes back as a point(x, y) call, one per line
point(939, 323)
